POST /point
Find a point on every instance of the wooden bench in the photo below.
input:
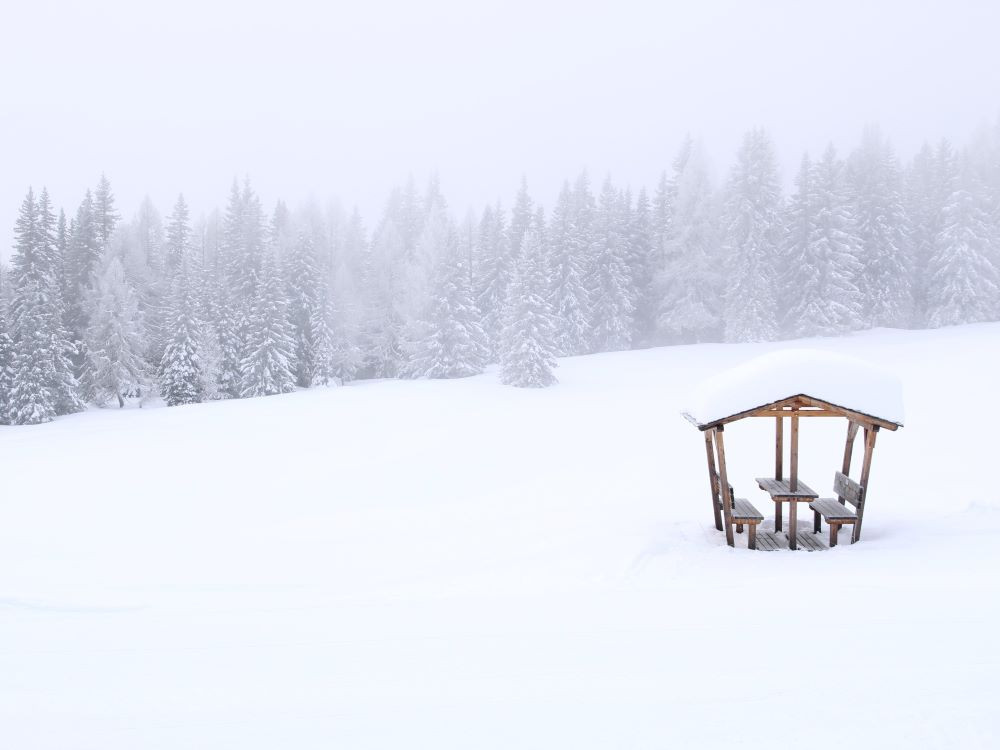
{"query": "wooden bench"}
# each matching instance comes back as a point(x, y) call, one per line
point(744, 514)
point(835, 510)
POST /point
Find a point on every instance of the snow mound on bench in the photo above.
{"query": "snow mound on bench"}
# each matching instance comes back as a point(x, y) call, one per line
point(842, 380)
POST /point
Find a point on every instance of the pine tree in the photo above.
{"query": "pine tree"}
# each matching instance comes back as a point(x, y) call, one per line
point(43, 383)
point(267, 368)
point(609, 283)
point(84, 255)
point(822, 266)
point(303, 282)
point(181, 375)
point(965, 281)
point(115, 342)
point(569, 296)
point(454, 345)
point(494, 270)
point(6, 369)
point(526, 354)
point(178, 236)
point(521, 217)
point(106, 217)
point(881, 225)
point(688, 279)
point(754, 231)
point(644, 261)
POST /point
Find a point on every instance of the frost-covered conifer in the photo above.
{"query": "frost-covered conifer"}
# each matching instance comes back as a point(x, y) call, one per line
point(569, 296)
point(182, 379)
point(303, 289)
point(115, 342)
point(753, 237)
point(454, 344)
point(493, 273)
point(609, 281)
point(267, 368)
point(822, 266)
point(965, 283)
point(526, 353)
point(876, 186)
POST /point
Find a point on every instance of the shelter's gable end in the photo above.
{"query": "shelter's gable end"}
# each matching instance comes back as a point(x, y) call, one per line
point(808, 406)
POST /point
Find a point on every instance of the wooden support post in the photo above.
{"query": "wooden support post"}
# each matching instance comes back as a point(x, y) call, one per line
point(779, 445)
point(793, 525)
point(777, 515)
point(793, 477)
point(852, 430)
point(816, 522)
point(713, 477)
point(752, 536)
point(834, 531)
point(866, 467)
point(727, 506)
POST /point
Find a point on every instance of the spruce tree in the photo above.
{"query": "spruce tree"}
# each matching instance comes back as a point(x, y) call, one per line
point(178, 236)
point(526, 354)
point(569, 296)
point(881, 226)
point(821, 261)
point(494, 270)
point(609, 283)
point(115, 339)
point(688, 279)
point(6, 369)
point(182, 378)
point(965, 282)
point(753, 237)
point(454, 344)
point(106, 217)
point(268, 365)
point(303, 282)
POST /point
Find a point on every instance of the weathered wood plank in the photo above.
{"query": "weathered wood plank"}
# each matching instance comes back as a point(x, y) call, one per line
point(779, 446)
point(832, 510)
point(713, 479)
point(847, 489)
point(780, 488)
point(866, 467)
point(793, 459)
point(727, 510)
point(745, 512)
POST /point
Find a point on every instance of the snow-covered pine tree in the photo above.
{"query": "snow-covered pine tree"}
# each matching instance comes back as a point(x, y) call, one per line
point(303, 289)
point(105, 215)
point(43, 384)
point(644, 260)
point(115, 338)
point(181, 376)
point(268, 366)
point(876, 186)
point(6, 367)
point(753, 239)
point(965, 283)
point(821, 258)
point(521, 217)
point(923, 211)
point(569, 297)
point(688, 280)
point(454, 344)
point(84, 255)
point(383, 320)
point(526, 354)
point(178, 236)
point(609, 283)
point(494, 271)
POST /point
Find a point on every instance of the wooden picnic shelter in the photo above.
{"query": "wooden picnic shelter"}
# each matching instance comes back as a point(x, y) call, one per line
point(792, 385)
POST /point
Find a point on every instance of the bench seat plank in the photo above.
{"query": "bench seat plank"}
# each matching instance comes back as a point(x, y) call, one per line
point(831, 509)
point(744, 512)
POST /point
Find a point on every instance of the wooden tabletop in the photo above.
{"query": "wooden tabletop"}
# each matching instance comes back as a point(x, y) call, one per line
point(779, 489)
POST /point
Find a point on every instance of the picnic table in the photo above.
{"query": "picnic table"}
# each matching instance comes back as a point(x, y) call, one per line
point(781, 491)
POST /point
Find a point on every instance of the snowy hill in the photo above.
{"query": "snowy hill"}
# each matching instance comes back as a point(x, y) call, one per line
point(458, 564)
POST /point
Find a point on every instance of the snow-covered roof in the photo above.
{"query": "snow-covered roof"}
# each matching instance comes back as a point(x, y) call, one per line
point(837, 379)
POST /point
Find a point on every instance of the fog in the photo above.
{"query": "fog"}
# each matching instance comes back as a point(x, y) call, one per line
point(346, 100)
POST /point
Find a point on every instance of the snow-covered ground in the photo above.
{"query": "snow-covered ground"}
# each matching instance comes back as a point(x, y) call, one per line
point(463, 565)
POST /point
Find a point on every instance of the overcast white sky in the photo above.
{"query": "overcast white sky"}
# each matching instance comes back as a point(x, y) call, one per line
point(346, 99)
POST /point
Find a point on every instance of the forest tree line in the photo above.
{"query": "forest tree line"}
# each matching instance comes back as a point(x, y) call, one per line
point(247, 302)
